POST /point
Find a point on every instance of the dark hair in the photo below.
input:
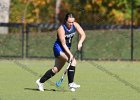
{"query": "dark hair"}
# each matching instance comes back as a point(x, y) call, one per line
point(67, 16)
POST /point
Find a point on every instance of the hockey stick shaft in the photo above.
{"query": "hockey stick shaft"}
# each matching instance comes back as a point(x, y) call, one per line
point(58, 83)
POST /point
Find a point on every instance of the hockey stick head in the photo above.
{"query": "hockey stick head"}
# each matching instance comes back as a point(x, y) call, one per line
point(58, 83)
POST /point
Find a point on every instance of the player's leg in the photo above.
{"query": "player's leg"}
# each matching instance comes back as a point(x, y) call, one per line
point(59, 63)
point(71, 74)
point(40, 82)
point(71, 71)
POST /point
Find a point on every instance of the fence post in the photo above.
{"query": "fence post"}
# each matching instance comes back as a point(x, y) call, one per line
point(22, 40)
point(132, 19)
point(27, 36)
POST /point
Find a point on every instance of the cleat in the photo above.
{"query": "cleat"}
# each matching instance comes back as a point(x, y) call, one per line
point(74, 85)
point(40, 85)
point(72, 89)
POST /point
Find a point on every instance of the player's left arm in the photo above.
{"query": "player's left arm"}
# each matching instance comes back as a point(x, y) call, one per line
point(81, 34)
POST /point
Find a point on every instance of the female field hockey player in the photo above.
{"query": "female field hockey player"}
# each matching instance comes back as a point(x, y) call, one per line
point(62, 51)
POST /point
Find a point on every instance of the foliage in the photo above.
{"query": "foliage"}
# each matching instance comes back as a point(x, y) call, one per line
point(16, 11)
point(86, 11)
point(32, 11)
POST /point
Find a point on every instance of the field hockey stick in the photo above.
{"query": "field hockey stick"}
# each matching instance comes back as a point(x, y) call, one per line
point(58, 83)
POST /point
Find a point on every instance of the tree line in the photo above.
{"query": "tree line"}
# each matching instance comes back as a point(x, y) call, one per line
point(85, 11)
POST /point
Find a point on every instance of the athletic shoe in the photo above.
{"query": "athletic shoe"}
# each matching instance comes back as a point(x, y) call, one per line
point(72, 89)
point(73, 86)
point(40, 85)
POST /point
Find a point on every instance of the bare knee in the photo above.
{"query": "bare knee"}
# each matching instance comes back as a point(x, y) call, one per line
point(55, 69)
point(74, 62)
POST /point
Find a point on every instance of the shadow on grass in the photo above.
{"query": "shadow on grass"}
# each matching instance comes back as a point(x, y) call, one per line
point(54, 90)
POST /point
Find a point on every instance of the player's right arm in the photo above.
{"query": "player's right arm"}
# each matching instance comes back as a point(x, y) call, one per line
point(61, 36)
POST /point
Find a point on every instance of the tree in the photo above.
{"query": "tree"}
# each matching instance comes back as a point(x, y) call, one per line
point(86, 11)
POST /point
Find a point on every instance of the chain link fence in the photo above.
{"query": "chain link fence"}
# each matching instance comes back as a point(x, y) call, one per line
point(102, 42)
point(105, 40)
point(12, 43)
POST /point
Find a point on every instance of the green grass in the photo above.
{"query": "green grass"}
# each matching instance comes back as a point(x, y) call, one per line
point(98, 80)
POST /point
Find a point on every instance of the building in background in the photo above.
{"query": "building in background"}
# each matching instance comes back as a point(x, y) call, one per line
point(4, 15)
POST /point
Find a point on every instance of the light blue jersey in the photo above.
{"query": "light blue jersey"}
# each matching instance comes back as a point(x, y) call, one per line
point(69, 33)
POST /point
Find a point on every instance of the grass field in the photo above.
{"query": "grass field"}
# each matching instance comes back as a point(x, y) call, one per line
point(98, 80)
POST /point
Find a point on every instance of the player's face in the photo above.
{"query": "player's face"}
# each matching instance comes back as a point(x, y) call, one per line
point(70, 22)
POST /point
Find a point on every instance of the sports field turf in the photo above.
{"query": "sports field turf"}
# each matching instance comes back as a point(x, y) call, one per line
point(99, 81)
